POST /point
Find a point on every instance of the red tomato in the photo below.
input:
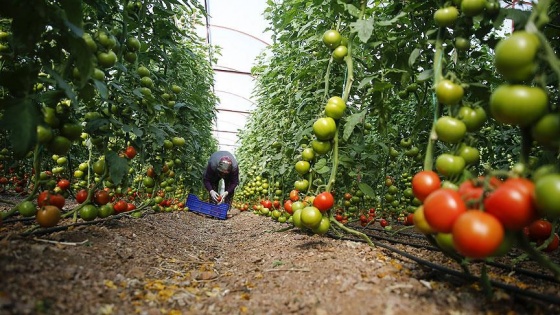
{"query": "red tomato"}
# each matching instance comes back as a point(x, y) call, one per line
point(46, 198)
point(383, 223)
point(553, 245)
point(471, 192)
point(81, 196)
point(130, 206)
point(57, 200)
point(130, 152)
point(120, 206)
point(101, 197)
point(276, 204)
point(409, 219)
point(512, 203)
point(539, 230)
point(63, 184)
point(477, 234)
point(288, 206)
point(323, 201)
point(424, 183)
point(267, 204)
point(442, 208)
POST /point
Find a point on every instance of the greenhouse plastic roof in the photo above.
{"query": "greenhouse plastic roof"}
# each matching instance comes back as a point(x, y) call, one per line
point(237, 28)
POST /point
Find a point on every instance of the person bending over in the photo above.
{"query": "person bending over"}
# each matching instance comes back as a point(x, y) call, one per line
point(221, 164)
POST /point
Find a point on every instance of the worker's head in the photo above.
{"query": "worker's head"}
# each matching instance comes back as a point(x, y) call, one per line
point(224, 166)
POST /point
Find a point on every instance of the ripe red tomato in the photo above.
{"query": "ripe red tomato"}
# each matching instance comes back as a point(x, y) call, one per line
point(63, 184)
point(553, 245)
point(81, 196)
point(383, 223)
point(120, 206)
point(130, 152)
point(442, 208)
point(409, 219)
point(471, 191)
point(539, 230)
point(276, 204)
point(512, 203)
point(288, 206)
point(267, 204)
point(477, 234)
point(101, 197)
point(130, 206)
point(323, 201)
point(48, 198)
point(424, 183)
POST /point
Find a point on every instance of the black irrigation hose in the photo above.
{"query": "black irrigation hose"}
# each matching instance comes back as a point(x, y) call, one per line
point(518, 270)
point(461, 275)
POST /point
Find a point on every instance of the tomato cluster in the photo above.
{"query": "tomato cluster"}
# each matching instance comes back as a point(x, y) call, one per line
point(482, 213)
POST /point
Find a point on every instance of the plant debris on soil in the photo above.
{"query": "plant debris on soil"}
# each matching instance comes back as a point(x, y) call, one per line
point(185, 263)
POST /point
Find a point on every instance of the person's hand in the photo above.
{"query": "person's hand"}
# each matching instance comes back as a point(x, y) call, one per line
point(214, 195)
point(223, 197)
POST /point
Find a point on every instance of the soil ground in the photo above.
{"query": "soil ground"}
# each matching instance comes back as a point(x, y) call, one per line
point(185, 263)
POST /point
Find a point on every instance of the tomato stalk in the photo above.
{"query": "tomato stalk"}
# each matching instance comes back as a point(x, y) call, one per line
point(543, 260)
point(438, 57)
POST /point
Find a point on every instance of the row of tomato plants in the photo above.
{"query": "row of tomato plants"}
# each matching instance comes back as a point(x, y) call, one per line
point(472, 208)
point(91, 97)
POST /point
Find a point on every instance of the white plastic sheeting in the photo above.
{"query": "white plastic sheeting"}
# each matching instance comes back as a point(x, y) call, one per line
point(237, 27)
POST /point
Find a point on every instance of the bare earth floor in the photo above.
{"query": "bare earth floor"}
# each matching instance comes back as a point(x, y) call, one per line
point(185, 263)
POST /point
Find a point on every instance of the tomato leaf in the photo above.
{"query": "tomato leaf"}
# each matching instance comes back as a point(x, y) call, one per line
point(351, 122)
point(20, 118)
point(364, 28)
point(118, 167)
point(366, 189)
point(413, 56)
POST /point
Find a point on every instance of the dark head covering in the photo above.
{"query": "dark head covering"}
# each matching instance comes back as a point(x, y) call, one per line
point(225, 165)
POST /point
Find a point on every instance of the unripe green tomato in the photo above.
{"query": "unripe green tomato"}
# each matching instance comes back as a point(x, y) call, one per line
point(324, 128)
point(445, 17)
point(518, 104)
point(450, 130)
point(449, 93)
point(515, 56)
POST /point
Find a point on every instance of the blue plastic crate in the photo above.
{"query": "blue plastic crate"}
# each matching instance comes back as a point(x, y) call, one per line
point(217, 211)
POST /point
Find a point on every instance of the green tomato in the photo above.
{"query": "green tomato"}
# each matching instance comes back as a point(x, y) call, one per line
point(547, 192)
point(332, 38)
point(449, 93)
point(321, 147)
point(339, 53)
point(301, 185)
point(449, 164)
point(470, 154)
point(546, 131)
point(324, 128)
point(518, 104)
point(445, 17)
point(335, 107)
point(302, 167)
point(472, 7)
point(450, 130)
point(308, 154)
point(473, 118)
point(515, 56)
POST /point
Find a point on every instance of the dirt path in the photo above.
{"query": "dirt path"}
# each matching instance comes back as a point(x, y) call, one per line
point(184, 263)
